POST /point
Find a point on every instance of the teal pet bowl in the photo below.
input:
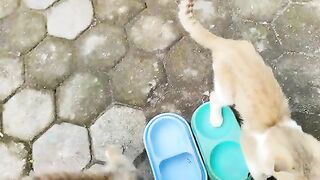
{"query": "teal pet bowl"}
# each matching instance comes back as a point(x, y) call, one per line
point(219, 147)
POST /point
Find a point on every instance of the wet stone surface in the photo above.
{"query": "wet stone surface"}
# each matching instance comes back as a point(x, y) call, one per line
point(117, 11)
point(189, 66)
point(13, 160)
point(27, 113)
point(82, 98)
point(298, 75)
point(63, 147)
point(309, 122)
point(261, 36)
point(101, 47)
point(11, 75)
point(214, 15)
point(135, 77)
point(151, 33)
point(81, 74)
point(7, 7)
point(163, 7)
point(21, 31)
point(263, 10)
point(119, 125)
point(298, 28)
point(39, 5)
point(68, 22)
point(49, 63)
point(182, 102)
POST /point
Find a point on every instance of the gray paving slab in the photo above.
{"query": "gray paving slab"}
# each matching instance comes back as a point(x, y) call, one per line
point(111, 65)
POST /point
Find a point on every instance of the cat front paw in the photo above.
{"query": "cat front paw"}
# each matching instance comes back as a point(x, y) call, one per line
point(216, 119)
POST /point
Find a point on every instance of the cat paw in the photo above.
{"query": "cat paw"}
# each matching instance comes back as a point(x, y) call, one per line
point(216, 119)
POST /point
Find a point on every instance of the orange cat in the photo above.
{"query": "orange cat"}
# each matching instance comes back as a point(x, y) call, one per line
point(273, 144)
point(119, 167)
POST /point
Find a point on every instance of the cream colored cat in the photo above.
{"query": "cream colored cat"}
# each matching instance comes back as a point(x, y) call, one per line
point(119, 167)
point(273, 144)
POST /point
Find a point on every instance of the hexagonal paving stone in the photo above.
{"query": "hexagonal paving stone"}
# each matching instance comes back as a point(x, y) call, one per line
point(298, 28)
point(13, 160)
point(49, 62)
point(21, 31)
point(36, 4)
point(188, 66)
point(152, 33)
point(11, 75)
point(214, 15)
point(263, 10)
point(183, 102)
point(101, 47)
point(63, 147)
point(7, 7)
point(66, 21)
point(117, 11)
point(82, 97)
point(27, 113)
point(141, 72)
point(163, 7)
point(299, 77)
point(261, 36)
point(151, 3)
point(119, 125)
point(309, 122)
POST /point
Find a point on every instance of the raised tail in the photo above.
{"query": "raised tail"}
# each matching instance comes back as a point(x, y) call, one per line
point(199, 33)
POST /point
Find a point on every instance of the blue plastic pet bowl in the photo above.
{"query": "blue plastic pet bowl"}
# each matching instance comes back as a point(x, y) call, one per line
point(219, 147)
point(172, 150)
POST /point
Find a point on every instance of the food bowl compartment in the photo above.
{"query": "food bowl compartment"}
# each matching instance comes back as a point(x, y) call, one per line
point(227, 161)
point(169, 138)
point(203, 127)
point(182, 166)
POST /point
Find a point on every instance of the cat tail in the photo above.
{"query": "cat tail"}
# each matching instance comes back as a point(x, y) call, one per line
point(199, 33)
